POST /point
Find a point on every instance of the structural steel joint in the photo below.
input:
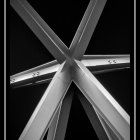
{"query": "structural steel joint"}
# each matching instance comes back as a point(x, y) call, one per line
point(71, 65)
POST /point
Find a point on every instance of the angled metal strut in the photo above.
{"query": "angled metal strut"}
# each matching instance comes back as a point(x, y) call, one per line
point(107, 117)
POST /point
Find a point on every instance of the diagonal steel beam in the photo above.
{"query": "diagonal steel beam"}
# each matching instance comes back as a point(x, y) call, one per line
point(35, 75)
point(81, 27)
point(48, 105)
point(105, 63)
point(108, 68)
point(53, 125)
point(58, 125)
point(64, 116)
point(96, 124)
point(45, 34)
point(108, 130)
point(49, 65)
point(86, 28)
point(99, 97)
point(93, 60)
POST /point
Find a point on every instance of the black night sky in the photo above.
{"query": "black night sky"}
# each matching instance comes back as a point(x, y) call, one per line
point(111, 36)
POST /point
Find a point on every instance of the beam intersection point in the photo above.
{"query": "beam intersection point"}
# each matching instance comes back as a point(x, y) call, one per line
point(71, 65)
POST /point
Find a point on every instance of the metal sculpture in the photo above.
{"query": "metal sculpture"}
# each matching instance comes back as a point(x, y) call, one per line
point(107, 117)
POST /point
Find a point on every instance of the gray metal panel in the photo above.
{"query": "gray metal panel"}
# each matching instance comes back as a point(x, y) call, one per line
point(47, 106)
point(106, 105)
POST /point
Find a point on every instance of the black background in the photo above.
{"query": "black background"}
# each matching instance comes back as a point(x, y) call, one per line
point(111, 36)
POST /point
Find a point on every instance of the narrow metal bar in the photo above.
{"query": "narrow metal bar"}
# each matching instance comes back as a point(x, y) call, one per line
point(106, 105)
point(48, 105)
point(95, 63)
point(108, 130)
point(112, 56)
point(82, 26)
point(86, 28)
point(35, 75)
point(106, 69)
point(96, 124)
point(46, 65)
point(45, 34)
point(64, 116)
point(53, 125)
point(106, 63)
point(33, 83)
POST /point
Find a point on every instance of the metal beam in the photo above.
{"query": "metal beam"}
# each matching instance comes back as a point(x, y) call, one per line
point(33, 83)
point(111, 135)
point(50, 64)
point(45, 34)
point(81, 26)
point(35, 75)
point(120, 57)
point(53, 125)
point(111, 115)
point(105, 63)
point(108, 68)
point(96, 124)
point(64, 116)
point(106, 105)
point(48, 105)
point(86, 28)
point(95, 63)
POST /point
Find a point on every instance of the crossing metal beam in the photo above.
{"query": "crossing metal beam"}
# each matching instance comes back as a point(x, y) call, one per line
point(99, 97)
point(47, 106)
point(106, 111)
